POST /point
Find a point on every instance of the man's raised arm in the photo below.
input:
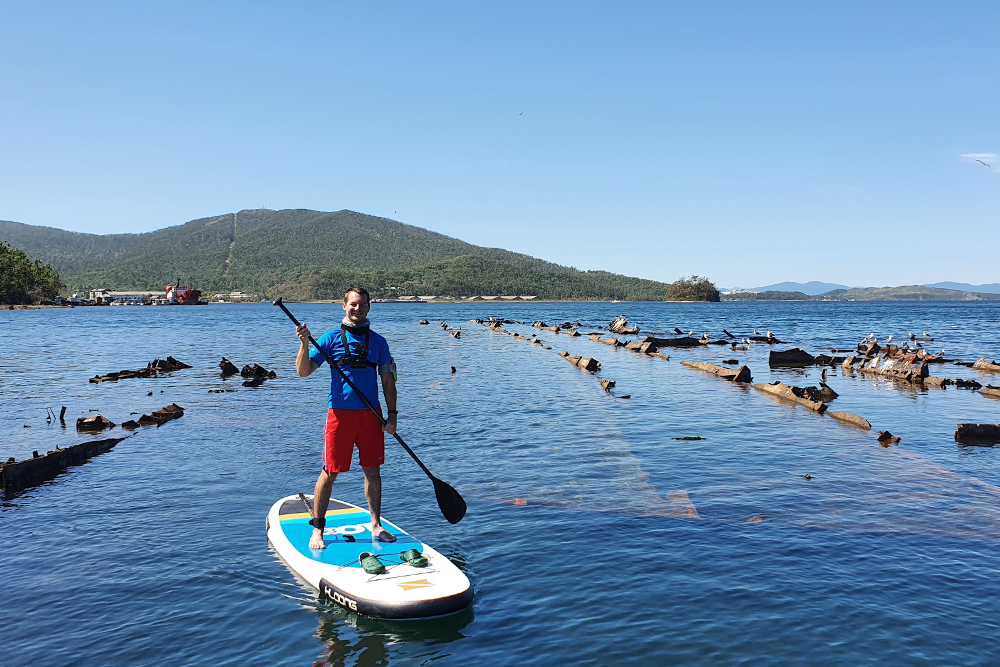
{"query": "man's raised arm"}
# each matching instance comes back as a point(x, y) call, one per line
point(303, 364)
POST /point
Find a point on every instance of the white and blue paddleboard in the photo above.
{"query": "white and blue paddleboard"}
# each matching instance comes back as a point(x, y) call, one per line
point(403, 591)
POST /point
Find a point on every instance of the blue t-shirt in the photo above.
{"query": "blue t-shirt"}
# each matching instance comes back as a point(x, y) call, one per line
point(342, 396)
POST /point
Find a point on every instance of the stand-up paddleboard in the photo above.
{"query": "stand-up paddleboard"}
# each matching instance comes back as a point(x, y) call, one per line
point(403, 591)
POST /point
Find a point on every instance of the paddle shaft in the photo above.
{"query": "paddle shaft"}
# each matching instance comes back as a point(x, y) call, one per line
point(364, 399)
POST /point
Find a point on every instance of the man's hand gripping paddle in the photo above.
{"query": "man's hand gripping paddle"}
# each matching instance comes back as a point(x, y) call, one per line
point(449, 500)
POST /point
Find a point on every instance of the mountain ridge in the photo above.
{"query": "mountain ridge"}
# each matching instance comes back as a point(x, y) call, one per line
point(299, 253)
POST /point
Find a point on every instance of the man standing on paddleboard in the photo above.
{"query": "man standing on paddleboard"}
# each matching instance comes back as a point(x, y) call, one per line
point(364, 356)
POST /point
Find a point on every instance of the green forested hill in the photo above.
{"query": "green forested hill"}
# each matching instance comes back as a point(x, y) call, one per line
point(310, 255)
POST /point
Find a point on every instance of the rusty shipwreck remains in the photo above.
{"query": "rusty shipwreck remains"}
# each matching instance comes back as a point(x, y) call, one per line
point(19, 475)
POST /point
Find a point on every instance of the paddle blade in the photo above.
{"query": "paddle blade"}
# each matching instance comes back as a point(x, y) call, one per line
point(449, 500)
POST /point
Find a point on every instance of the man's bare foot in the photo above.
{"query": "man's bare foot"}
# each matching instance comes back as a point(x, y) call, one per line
point(317, 541)
point(382, 535)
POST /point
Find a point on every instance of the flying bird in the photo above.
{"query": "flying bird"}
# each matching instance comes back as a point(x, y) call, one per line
point(984, 164)
point(521, 114)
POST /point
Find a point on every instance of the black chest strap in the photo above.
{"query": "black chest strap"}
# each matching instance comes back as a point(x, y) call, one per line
point(359, 359)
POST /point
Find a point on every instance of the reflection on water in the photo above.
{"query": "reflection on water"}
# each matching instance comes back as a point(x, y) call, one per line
point(371, 640)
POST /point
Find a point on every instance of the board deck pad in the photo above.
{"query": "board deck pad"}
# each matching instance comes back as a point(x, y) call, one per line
point(403, 591)
point(342, 520)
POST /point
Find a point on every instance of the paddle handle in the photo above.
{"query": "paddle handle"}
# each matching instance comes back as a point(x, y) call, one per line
point(278, 302)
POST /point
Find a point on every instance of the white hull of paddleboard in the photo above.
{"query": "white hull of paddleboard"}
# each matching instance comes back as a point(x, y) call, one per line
point(402, 592)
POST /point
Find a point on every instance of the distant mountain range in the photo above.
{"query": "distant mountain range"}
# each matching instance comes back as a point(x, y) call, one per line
point(310, 255)
point(990, 288)
point(946, 291)
point(812, 288)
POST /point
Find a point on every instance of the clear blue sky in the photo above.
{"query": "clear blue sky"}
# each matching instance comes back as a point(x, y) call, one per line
point(748, 142)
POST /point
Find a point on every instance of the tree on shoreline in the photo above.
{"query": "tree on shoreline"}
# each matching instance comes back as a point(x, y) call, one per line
point(694, 288)
point(23, 281)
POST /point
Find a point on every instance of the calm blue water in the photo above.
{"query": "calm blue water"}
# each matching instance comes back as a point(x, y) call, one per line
point(156, 553)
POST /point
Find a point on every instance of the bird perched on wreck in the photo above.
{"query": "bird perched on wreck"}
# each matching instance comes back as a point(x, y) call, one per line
point(756, 333)
point(888, 340)
point(691, 333)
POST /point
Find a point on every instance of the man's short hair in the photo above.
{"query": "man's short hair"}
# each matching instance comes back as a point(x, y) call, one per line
point(361, 291)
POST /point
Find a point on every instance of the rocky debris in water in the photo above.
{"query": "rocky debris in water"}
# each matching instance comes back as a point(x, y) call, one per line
point(731, 362)
point(539, 324)
point(153, 369)
point(641, 346)
point(606, 385)
point(908, 367)
point(792, 394)
point(990, 391)
point(162, 416)
point(822, 393)
point(741, 374)
point(427, 322)
point(885, 438)
point(967, 384)
point(221, 391)
point(683, 341)
point(969, 364)
point(454, 370)
point(757, 518)
point(848, 363)
point(95, 423)
point(869, 349)
point(853, 419)
point(444, 325)
point(620, 326)
point(257, 371)
point(254, 382)
point(457, 333)
point(978, 434)
point(931, 381)
point(228, 368)
point(130, 425)
point(689, 437)
point(792, 357)
point(614, 342)
point(807, 476)
point(19, 475)
point(982, 364)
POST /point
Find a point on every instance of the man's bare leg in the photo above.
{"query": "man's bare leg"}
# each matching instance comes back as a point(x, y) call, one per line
point(321, 500)
point(373, 492)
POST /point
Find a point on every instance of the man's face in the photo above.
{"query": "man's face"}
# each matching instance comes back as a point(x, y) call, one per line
point(356, 307)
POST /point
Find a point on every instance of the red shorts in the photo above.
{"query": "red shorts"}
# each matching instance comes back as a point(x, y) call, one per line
point(344, 429)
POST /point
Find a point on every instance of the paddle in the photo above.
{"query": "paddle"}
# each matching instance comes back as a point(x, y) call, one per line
point(449, 500)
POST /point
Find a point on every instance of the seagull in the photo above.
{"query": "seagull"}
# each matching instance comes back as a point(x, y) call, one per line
point(888, 340)
point(691, 333)
point(984, 164)
point(769, 334)
point(926, 334)
point(756, 333)
point(941, 353)
point(912, 336)
point(521, 114)
point(917, 344)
